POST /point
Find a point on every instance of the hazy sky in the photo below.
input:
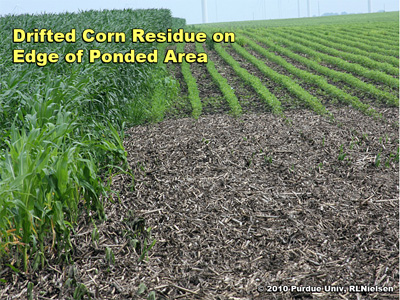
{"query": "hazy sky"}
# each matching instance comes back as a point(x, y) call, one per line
point(218, 10)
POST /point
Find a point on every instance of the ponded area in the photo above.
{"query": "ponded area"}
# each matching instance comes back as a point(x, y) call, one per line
point(273, 166)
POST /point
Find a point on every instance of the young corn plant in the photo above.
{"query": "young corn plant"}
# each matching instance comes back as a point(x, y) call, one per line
point(252, 80)
point(284, 81)
point(377, 161)
point(305, 75)
point(342, 155)
point(222, 83)
point(192, 85)
point(349, 79)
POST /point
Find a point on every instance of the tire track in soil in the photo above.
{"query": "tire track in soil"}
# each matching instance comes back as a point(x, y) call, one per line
point(212, 99)
point(247, 97)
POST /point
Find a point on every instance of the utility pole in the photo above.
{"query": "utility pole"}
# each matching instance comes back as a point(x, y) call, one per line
point(308, 8)
point(369, 6)
point(319, 14)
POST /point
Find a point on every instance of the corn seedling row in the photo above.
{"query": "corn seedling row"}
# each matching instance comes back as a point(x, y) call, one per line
point(361, 41)
point(373, 35)
point(316, 44)
point(193, 91)
point(380, 28)
point(335, 75)
point(165, 88)
point(347, 45)
point(285, 81)
point(351, 36)
point(344, 65)
point(222, 83)
point(252, 80)
point(391, 45)
point(308, 77)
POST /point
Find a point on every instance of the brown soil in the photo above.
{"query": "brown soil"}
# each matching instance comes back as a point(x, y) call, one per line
point(239, 204)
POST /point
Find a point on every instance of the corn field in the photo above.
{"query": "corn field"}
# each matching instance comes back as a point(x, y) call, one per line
point(62, 128)
point(273, 160)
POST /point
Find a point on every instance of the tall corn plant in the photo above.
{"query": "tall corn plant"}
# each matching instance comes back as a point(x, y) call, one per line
point(61, 128)
point(44, 176)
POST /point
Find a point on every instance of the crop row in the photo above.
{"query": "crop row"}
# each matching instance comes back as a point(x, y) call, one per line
point(335, 75)
point(375, 29)
point(356, 47)
point(317, 44)
point(193, 91)
point(283, 80)
point(252, 80)
point(164, 87)
point(374, 75)
point(308, 77)
point(222, 83)
point(373, 33)
point(382, 27)
point(332, 54)
point(361, 41)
